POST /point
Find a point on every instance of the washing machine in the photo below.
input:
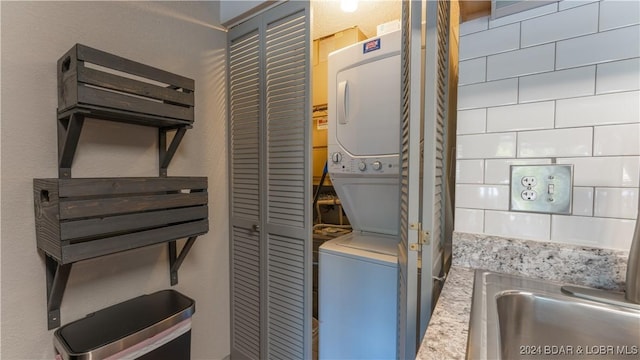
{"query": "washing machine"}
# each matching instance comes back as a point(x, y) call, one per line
point(358, 271)
point(358, 297)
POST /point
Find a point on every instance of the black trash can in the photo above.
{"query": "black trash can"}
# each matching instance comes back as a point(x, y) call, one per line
point(149, 327)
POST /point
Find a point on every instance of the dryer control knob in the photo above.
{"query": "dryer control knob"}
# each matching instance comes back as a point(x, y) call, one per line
point(362, 166)
point(336, 157)
point(377, 165)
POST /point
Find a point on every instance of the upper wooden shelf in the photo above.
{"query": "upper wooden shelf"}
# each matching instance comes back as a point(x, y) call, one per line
point(100, 85)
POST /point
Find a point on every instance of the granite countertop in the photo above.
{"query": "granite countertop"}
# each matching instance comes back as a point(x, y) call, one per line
point(446, 336)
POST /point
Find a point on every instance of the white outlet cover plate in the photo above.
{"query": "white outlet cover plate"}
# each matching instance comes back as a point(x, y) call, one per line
point(554, 199)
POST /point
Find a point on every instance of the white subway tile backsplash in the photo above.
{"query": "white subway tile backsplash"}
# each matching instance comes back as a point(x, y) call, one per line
point(524, 15)
point(470, 171)
point(469, 220)
point(616, 140)
point(498, 171)
point(618, 76)
point(616, 203)
point(558, 84)
point(484, 146)
point(610, 45)
point(592, 231)
point(555, 143)
point(618, 108)
point(568, 4)
point(493, 41)
point(472, 71)
point(623, 171)
point(493, 197)
point(471, 121)
point(527, 61)
point(616, 13)
point(493, 93)
point(582, 201)
point(561, 25)
point(474, 25)
point(531, 116)
point(519, 225)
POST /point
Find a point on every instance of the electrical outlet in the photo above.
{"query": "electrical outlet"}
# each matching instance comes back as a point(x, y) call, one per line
point(529, 195)
point(541, 188)
point(529, 181)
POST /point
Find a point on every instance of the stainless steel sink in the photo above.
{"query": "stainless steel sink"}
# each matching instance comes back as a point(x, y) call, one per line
point(514, 317)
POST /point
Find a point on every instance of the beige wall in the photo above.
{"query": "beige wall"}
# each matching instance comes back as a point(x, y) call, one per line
point(177, 37)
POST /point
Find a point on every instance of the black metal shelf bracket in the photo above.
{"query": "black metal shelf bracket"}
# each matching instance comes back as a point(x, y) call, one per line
point(166, 154)
point(57, 276)
point(69, 129)
point(175, 259)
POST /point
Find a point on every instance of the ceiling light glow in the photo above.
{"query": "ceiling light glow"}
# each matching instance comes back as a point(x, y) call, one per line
point(349, 5)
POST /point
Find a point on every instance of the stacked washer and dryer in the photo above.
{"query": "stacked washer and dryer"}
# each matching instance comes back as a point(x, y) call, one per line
point(358, 272)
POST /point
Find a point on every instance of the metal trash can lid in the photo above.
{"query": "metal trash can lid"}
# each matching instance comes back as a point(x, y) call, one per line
point(122, 325)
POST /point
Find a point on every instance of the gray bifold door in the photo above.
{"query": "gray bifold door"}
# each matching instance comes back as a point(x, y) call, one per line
point(424, 100)
point(270, 184)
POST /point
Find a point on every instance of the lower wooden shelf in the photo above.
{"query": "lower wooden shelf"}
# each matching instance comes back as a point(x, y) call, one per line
point(79, 219)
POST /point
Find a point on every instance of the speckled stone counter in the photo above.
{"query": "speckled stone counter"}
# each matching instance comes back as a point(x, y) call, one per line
point(446, 336)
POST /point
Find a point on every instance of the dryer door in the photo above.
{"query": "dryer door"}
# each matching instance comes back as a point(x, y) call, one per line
point(368, 99)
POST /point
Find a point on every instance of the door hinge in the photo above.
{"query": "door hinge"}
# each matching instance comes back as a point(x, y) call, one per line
point(424, 238)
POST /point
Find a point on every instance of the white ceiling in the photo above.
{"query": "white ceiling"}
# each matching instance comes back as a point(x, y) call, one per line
point(328, 18)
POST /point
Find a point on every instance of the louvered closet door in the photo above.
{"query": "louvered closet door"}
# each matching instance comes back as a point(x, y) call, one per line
point(288, 183)
point(270, 159)
point(244, 169)
point(436, 97)
point(422, 151)
point(410, 139)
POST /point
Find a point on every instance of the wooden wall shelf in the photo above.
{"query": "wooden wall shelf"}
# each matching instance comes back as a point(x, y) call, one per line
point(114, 88)
point(80, 219)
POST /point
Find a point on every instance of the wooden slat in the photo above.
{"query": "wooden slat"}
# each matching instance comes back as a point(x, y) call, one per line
point(132, 222)
point(116, 186)
point(131, 86)
point(75, 209)
point(105, 246)
point(93, 96)
point(102, 113)
point(115, 62)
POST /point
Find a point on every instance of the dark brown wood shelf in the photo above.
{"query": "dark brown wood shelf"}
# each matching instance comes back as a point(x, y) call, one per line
point(103, 113)
point(105, 86)
point(80, 219)
point(98, 85)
